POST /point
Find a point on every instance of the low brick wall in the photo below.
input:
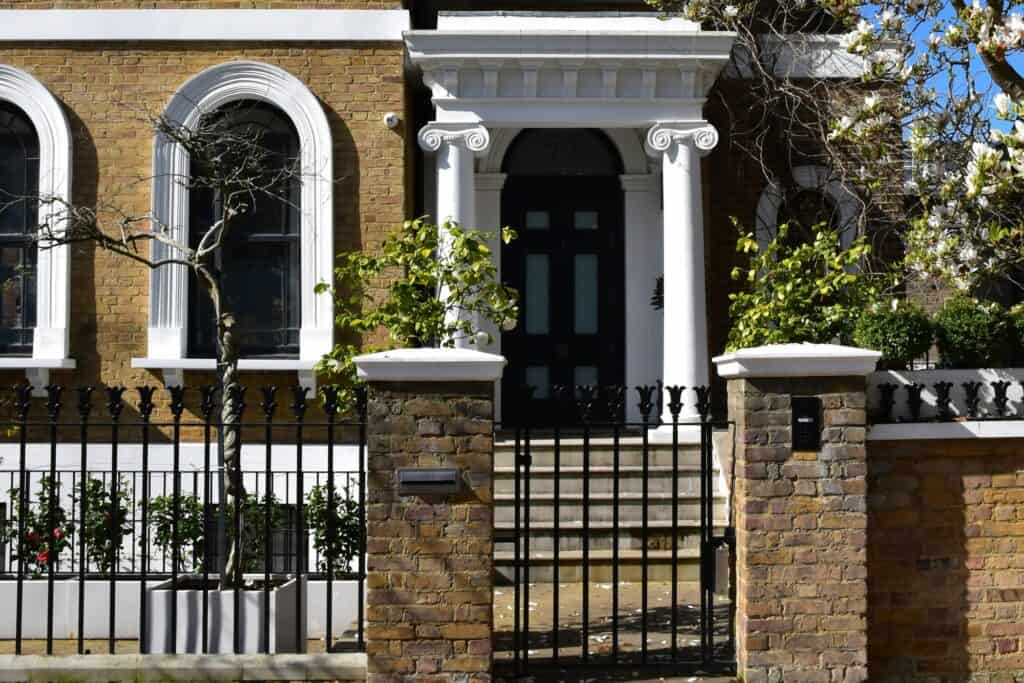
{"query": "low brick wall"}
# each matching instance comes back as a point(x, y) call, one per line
point(946, 560)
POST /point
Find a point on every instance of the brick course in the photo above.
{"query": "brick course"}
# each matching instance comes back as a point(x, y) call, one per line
point(800, 531)
point(429, 611)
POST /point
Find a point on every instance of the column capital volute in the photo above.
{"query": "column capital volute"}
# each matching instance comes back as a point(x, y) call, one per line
point(433, 136)
point(664, 136)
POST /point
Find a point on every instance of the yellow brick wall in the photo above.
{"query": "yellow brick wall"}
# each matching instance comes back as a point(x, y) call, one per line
point(946, 560)
point(102, 86)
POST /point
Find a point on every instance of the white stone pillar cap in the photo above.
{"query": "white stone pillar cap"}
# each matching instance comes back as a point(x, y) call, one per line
point(430, 365)
point(797, 360)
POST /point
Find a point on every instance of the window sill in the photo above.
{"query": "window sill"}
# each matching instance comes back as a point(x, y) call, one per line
point(173, 369)
point(37, 370)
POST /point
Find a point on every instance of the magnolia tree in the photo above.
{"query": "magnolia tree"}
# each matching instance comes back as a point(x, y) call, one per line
point(961, 106)
point(938, 86)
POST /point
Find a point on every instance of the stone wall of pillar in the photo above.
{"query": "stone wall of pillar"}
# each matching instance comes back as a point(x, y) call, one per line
point(801, 519)
point(429, 614)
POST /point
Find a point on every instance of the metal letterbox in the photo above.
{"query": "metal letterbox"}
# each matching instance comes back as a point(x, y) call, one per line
point(806, 423)
point(428, 482)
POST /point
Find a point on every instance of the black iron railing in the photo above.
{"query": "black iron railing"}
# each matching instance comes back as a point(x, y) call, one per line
point(588, 435)
point(946, 401)
point(142, 505)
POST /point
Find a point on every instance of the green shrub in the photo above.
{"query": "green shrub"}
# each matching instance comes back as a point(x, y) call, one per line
point(900, 332)
point(800, 291)
point(972, 334)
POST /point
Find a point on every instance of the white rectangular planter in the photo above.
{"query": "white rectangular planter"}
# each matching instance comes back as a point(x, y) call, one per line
point(97, 608)
point(220, 619)
point(65, 609)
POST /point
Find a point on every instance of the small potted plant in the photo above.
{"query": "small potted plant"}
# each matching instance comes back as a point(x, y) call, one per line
point(186, 639)
point(43, 535)
point(337, 538)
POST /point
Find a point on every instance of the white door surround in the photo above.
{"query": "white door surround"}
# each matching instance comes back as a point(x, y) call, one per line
point(641, 80)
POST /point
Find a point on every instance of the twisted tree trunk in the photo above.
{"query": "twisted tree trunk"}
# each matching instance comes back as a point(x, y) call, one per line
point(231, 438)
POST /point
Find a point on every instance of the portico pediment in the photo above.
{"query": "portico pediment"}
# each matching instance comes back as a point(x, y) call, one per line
point(552, 70)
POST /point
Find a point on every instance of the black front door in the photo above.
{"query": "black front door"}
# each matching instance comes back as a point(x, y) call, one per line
point(567, 265)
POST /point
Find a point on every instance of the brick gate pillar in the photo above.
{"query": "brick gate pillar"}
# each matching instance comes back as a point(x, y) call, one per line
point(799, 503)
point(429, 554)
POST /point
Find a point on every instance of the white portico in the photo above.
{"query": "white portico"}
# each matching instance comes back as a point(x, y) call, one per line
point(641, 83)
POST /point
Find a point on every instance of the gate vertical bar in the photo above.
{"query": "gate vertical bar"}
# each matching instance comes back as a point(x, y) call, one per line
point(145, 411)
point(299, 410)
point(526, 551)
point(331, 409)
point(706, 551)
point(115, 405)
point(23, 402)
point(206, 406)
point(515, 554)
point(555, 566)
point(588, 395)
point(177, 408)
point(238, 409)
point(362, 402)
point(675, 407)
point(616, 400)
point(269, 405)
point(647, 396)
point(84, 408)
point(53, 406)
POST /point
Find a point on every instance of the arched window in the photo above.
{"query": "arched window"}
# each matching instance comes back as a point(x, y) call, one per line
point(817, 197)
point(259, 263)
point(19, 204)
point(805, 210)
point(282, 313)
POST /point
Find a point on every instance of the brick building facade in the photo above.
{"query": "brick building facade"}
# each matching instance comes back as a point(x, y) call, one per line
point(362, 60)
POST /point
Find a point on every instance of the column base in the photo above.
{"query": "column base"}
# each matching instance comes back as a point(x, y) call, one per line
point(688, 433)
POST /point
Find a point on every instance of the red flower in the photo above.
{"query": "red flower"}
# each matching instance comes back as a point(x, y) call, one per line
point(32, 536)
point(43, 557)
point(57, 533)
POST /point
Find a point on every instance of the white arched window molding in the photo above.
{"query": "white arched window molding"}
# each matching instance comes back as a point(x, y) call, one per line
point(50, 345)
point(814, 178)
point(168, 314)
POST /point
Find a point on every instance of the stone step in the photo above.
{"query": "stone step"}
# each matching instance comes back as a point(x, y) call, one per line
point(570, 566)
point(601, 453)
point(570, 507)
point(602, 480)
point(602, 536)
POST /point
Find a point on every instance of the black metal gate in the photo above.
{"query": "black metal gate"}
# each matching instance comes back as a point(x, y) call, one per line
point(609, 551)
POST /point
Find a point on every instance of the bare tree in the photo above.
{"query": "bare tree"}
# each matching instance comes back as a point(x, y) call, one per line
point(232, 163)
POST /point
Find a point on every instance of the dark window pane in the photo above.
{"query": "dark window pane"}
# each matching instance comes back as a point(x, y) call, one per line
point(805, 211)
point(258, 264)
point(19, 189)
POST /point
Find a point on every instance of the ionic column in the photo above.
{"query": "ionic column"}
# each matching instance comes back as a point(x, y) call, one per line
point(685, 352)
point(455, 147)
